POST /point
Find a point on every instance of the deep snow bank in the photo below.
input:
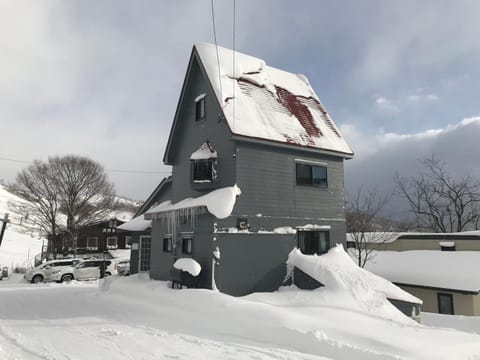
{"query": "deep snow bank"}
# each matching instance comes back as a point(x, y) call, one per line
point(351, 285)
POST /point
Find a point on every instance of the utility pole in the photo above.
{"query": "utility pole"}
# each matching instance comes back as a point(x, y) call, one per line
point(4, 225)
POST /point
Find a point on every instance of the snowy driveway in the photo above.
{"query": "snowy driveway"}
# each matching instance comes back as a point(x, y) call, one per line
point(141, 319)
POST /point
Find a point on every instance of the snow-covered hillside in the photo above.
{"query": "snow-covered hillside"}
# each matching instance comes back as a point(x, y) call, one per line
point(137, 318)
point(19, 249)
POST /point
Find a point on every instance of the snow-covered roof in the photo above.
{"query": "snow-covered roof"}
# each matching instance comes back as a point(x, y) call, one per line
point(136, 224)
point(263, 102)
point(205, 152)
point(389, 237)
point(456, 270)
point(189, 265)
point(336, 270)
point(120, 254)
point(218, 202)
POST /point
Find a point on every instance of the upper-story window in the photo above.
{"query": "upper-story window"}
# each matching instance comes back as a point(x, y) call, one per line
point(311, 175)
point(204, 161)
point(200, 111)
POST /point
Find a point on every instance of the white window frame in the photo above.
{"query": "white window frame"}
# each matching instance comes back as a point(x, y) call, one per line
point(91, 246)
point(111, 247)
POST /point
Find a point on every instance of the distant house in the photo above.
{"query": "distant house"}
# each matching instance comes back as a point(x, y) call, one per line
point(139, 229)
point(462, 241)
point(92, 240)
point(257, 169)
point(446, 281)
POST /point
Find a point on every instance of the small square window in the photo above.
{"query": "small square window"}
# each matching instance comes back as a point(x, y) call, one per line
point(92, 243)
point(203, 171)
point(187, 245)
point(200, 108)
point(445, 303)
point(112, 242)
point(167, 244)
point(311, 175)
point(313, 242)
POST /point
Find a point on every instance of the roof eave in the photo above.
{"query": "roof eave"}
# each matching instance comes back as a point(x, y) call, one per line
point(262, 141)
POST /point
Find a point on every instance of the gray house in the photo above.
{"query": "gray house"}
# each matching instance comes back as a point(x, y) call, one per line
point(257, 169)
point(139, 229)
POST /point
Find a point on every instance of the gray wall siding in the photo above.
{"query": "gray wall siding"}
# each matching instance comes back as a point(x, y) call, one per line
point(162, 262)
point(252, 262)
point(268, 175)
point(191, 134)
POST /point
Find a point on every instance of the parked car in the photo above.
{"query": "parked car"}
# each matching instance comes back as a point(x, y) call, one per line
point(91, 269)
point(123, 267)
point(1, 273)
point(4, 272)
point(44, 272)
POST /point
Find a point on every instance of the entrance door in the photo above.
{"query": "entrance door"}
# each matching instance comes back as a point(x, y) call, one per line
point(144, 253)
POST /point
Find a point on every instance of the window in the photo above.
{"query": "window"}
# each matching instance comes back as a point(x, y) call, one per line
point(203, 171)
point(112, 242)
point(187, 245)
point(144, 253)
point(311, 175)
point(128, 242)
point(313, 242)
point(200, 107)
point(445, 303)
point(92, 243)
point(167, 243)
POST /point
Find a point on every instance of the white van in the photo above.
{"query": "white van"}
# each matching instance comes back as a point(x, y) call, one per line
point(43, 272)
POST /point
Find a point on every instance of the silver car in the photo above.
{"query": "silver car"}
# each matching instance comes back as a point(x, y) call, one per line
point(43, 272)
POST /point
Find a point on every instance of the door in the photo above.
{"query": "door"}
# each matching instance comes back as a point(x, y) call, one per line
point(87, 270)
point(144, 253)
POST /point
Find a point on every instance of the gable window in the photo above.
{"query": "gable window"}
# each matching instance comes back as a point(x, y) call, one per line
point(200, 112)
point(311, 175)
point(204, 161)
point(445, 303)
point(203, 171)
point(313, 242)
point(167, 243)
point(187, 242)
point(112, 242)
point(92, 243)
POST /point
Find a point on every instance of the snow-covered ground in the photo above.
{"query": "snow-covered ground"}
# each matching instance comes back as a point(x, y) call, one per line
point(19, 249)
point(137, 318)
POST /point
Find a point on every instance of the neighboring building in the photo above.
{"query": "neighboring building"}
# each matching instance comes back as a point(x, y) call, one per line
point(462, 241)
point(139, 229)
point(92, 240)
point(446, 281)
point(257, 169)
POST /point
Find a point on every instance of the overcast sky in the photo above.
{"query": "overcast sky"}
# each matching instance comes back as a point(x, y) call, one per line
point(102, 78)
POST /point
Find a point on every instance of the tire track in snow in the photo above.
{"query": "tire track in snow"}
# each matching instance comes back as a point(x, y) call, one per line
point(16, 344)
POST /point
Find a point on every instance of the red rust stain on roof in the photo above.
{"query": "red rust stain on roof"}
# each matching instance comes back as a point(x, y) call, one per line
point(299, 110)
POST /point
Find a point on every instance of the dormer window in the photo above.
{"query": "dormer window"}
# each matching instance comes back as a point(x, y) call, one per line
point(200, 112)
point(204, 161)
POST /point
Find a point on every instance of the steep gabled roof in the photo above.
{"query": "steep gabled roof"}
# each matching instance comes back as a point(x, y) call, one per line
point(266, 103)
point(152, 199)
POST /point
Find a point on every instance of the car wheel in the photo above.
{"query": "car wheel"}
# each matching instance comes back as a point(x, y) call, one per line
point(37, 279)
point(108, 274)
point(67, 278)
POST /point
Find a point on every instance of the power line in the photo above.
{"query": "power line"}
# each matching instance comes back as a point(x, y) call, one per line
point(106, 170)
point(234, 79)
point(216, 48)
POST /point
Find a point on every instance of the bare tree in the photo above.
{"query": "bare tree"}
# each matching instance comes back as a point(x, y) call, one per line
point(440, 202)
point(73, 187)
point(367, 230)
point(38, 185)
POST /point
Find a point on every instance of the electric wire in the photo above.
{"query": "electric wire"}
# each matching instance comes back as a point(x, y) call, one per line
point(216, 48)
